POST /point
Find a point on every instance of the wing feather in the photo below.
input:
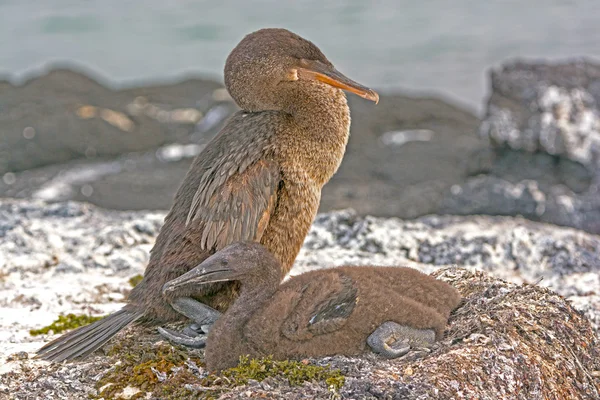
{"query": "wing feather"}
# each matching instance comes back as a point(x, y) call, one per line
point(232, 188)
point(308, 308)
point(234, 205)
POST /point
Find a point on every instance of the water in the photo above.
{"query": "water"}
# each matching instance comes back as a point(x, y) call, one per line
point(435, 46)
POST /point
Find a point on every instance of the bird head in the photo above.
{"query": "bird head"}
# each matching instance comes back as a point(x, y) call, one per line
point(267, 65)
point(248, 262)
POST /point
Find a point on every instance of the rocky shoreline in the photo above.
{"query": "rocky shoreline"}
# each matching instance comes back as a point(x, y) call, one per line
point(534, 153)
point(87, 142)
point(506, 208)
point(543, 126)
point(50, 253)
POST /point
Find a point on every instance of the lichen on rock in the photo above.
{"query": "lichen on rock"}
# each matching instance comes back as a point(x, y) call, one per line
point(64, 323)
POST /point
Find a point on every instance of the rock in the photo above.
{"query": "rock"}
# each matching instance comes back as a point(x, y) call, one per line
point(75, 154)
point(543, 122)
point(549, 108)
point(555, 204)
point(508, 340)
point(405, 180)
point(65, 115)
point(406, 157)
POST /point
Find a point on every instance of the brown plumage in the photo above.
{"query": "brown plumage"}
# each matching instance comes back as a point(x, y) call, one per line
point(259, 179)
point(318, 313)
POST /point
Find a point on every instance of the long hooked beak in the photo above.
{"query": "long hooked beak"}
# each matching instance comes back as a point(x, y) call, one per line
point(322, 72)
point(206, 272)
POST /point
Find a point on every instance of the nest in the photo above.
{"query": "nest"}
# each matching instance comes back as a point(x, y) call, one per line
point(505, 341)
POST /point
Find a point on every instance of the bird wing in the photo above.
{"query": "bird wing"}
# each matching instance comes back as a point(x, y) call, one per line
point(324, 307)
point(236, 183)
point(318, 305)
point(234, 203)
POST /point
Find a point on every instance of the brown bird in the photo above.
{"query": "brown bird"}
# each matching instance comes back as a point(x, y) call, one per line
point(319, 313)
point(259, 179)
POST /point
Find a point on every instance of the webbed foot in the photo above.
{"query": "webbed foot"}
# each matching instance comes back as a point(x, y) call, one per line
point(181, 338)
point(393, 340)
point(195, 334)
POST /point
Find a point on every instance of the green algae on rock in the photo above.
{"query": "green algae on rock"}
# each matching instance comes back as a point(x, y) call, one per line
point(134, 280)
point(296, 372)
point(143, 368)
point(64, 323)
point(166, 372)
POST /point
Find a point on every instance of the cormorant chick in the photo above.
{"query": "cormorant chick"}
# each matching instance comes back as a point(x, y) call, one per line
point(319, 313)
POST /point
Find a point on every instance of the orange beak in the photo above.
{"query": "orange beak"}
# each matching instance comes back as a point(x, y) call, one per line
point(319, 71)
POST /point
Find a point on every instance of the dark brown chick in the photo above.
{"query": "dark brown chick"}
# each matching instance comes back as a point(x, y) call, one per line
point(341, 310)
point(259, 179)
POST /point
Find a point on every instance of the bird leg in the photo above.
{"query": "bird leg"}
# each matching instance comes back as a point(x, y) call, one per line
point(195, 334)
point(393, 340)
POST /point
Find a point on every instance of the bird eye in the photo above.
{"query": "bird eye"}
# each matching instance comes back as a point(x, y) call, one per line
point(224, 263)
point(292, 75)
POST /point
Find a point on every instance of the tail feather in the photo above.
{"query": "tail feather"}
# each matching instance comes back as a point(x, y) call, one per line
point(85, 340)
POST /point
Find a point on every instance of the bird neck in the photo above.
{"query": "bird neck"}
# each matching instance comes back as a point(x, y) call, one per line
point(256, 295)
point(227, 340)
point(318, 107)
point(315, 150)
point(253, 296)
point(227, 335)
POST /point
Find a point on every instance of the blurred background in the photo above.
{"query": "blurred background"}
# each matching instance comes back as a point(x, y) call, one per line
point(108, 102)
point(418, 46)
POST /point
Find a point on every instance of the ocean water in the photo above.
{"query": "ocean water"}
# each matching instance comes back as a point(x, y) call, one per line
point(436, 47)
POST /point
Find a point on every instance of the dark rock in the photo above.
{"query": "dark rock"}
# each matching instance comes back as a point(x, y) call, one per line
point(406, 157)
point(88, 159)
point(495, 196)
point(65, 115)
point(405, 180)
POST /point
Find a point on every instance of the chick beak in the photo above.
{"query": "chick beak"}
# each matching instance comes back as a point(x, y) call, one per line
point(202, 274)
point(322, 72)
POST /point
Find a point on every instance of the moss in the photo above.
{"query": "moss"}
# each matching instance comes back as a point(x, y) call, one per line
point(134, 280)
point(295, 372)
point(65, 322)
point(146, 367)
point(168, 372)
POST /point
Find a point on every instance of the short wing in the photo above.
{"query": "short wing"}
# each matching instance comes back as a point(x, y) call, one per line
point(324, 307)
point(234, 202)
point(317, 305)
point(236, 181)
point(333, 312)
